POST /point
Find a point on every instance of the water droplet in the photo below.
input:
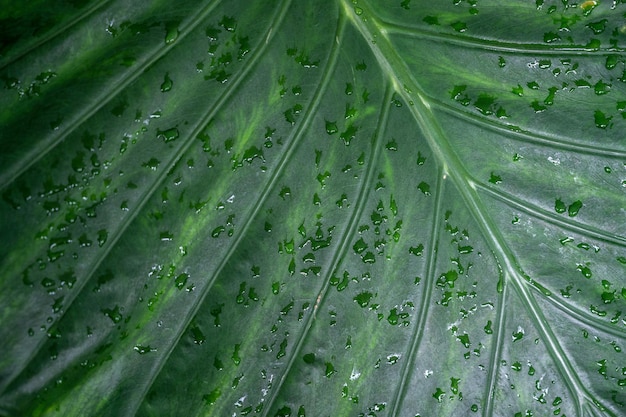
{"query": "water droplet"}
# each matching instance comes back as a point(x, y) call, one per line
point(417, 250)
point(594, 44)
point(495, 179)
point(439, 395)
point(538, 108)
point(229, 23)
point(611, 61)
point(588, 6)
point(559, 206)
point(168, 135)
point(198, 336)
point(217, 231)
point(585, 270)
point(464, 339)
point(331, 128)
point(574, 208)
point(359, 246)
point(488, 328)
point(167, 83)
point(330, 370)
point(348, 134)
point(102, 237)
point(282, 349)
point(601, 88)
point(363, 298)
point(284, 192)
point(424, 188)
point(152, 163)
point(458, 94)
point(550, 37)
point(465, 249)
point(236, 358)
point(518, 334)
point(212, 397)
point(144, 349)
point(181, 280)
point(459, 26)
point(171, 33)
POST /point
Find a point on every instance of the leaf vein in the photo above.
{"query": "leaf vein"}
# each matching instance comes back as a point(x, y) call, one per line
point(418, 329)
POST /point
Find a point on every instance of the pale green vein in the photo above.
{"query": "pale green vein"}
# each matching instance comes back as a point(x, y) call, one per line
point(495, 45)
point(498, 344)
point(419, 327)
point(37, 42)
point(292, 144)
point(397, 70)
point(587, 319)
point(340, 252)
point(566, 223)
point(578, 390)
point(36, 153)
point(526, 136)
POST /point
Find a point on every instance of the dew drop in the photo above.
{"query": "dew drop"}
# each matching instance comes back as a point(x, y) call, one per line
point(459, 26)
point(559, 206)
point(330, 370)
point(518, 334)
point(602, 120)
point(167, 83)
point(601, 88)
point(417, 250)
point(217, 231)
point(181, 280)
point(212, 397)
point(424, 188)
point(363, 298)
point(392, 145)
point(439, 395)
point(152, 163)
point(102, 237)
point(168, 135)
point(585, 270)
point(550, 37)
point(495, 179)
point(142, 350)
point(574, 208)
point(488, 329)
point(171, 34)
point(611, 61)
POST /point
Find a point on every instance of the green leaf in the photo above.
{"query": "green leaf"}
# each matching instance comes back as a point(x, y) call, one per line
point(318, 208)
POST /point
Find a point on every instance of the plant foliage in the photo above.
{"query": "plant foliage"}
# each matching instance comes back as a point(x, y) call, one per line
point(321, 208)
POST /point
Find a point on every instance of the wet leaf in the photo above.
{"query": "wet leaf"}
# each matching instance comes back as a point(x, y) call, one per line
point(314, 208)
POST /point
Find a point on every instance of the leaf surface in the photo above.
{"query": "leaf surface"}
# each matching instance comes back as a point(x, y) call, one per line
point(321, 208)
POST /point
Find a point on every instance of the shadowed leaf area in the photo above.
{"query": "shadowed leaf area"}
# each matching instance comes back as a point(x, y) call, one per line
point(322, 208)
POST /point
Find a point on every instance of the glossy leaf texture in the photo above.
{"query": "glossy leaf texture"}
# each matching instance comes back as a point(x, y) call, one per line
point(320, 208)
